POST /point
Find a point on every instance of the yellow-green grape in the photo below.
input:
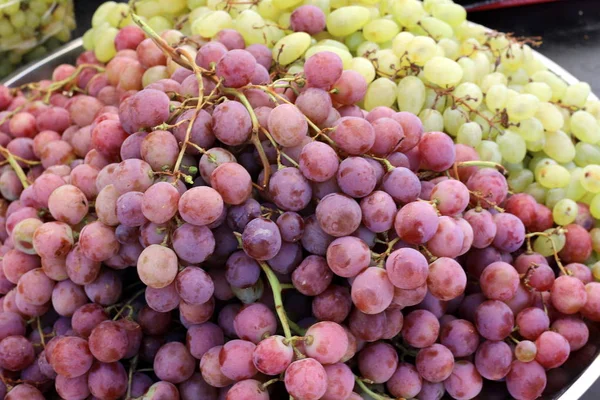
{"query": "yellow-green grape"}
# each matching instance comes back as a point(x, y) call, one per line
point(174, 6)
point(12, 7)
point(249, 24)
point(495, 78)
point(199, 13)
point(595, 235)
point(530, 129)
point(400, 43)
point(408, 12)
point(339, 3)
point(468, 94)
point(537, 191)
point(443, 72)
point(553, 196)
point(452, 14)
point(291, 47)
point(590, 179)
point(559, 146)
point(469, 134)
point(381, 92)
point(512, 57)
point(538, 162)
point(434, 27)
point(550, 116)
point(469, 69)
point(512, 146)
point(432, 120)
point(553, 176)
point(450, 47)
point(536, 145)
point(585, 127)
point(519, 77)
point(421, 49)
point(564, 212)
point(593, 107)
point(482, 65)
point(577, 94)
point(346, 20)
point(333, 43)
point(544, 244)
point(272, 34)
point(353, 41)
point(324, 5)
point(160, 24)
point(541, 90)
point(284, 20)
point(88, 39)
point(411, 94)
point(435, 101)
point(363, 67)
point(286, 4)
point(469, 47)
point(430, 4)
point(387, 63)
point(373, 13)
point(344, 54)
point(498, 43)
point(104, 44)
point(154, 74)
point(522, 106)
point(586, 154)
point(519, 180)
point(119, 14)
point(596, 266)
point(558, 86)
point(575, 190)
point(595, 206)
point(267, 10)
point(103, 12)
point(496, 97)
point(489, 151)
point(380, 30)
point(210, 24)
point(6, 28)
point(454, 118)
point(367, 49)
point(193, 4)
point(18, 19)
point(481, 118)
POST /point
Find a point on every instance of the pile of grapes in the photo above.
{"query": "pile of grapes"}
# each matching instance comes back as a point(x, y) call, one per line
point(31, 28)
point(235, 214)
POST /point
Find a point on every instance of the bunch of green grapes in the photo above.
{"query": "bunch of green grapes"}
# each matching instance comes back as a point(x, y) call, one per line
point(31, 28)
point(486, 89)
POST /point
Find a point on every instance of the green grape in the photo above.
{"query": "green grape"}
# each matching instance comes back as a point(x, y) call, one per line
point(596, 266)
point(411, 94)
point(586, 154)
point(387, 62)
point(498, 43)
point(174, 6)
point(400, 43)
point(346, 20)
point(324, 5)
point(595, 206)
point(554, 196)
point(452, 14)
point(116, 16)
point(482, 65)
point(18, 19)
point(564, 212)
point(436, 28)
point(590, 179)
point(454, 118)
point(593, 107)
point(550, 116)
point(559, 146)
point(13, 7)
point(575, 190)
point(496, 97)
point(522, 106)
point(249, 24)
point(595, 235)
point(381, 92)
point(544, 244)
point(284, 20)
point(408, 12)
point(339, 3)
point(469, 94)
point(15, 58)
point(469, 134)
point(363, 67)
point(541, 90)
point(421, 49)
point(495, 78)
point(432, 120)
point(483, 118)
point(451, 48)
point(435, 101)
point(210, 24)
point(267, 10)
point(154, 74)
point(489, 151)
point(585, 127)
point(103, 12)
point(558, 86)
point(512, 57)
point(443, 72)
point(430, 4)
point(286, 4)
point(291, 47)
point(537, 191)
point(380, 30)
point(353, 41)
point(373, 13)
point(577, 94)
point(160, 24)
point(367, 49)
point(469, 69)
point(105, 44)
point(193, 4)
point(539, 162)
point(199, 13)
point(6, 28)
point(512, 146)
point(519, 180)
point(519, 77)
point(530, 129)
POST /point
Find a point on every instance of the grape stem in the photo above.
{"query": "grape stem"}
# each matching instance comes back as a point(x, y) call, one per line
point(388, 165)
point(483, 164)
point(548, 235)
point(128, 304)
point(371, 393)
point(265, 385)
point(132, 368)
point(62, 84)
point(12, 160)
point(276, 288)
point(41, 332)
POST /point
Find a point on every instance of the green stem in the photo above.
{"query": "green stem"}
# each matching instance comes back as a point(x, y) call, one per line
point(296, 329)
point(276, 288)
point(15, 166)
point(483, 164)
point(132, 368)
point(388, 165)
point(128, 304)
point(368, 391)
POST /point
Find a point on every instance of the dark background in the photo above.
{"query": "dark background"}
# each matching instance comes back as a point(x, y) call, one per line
point(571, 37)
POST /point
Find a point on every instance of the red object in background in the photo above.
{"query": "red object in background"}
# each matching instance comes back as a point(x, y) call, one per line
point(495, 4)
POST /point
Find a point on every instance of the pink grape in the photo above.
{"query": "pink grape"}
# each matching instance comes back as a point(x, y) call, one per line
point(526, 380)
point(464, 382)
point(372, 292)
point(499, 281)
point(272, 355)
point(348, 256)
point(338, 215)
point(446, 279)
point(435, 363)
point(416, 222)
point(302, 371)
point(421, 329)
point(378, 362)
point(494, 320)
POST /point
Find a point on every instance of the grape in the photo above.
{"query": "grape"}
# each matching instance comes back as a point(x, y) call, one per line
point(525, 351)
point(446, 279)
point(568, 294)
point(416, 222)
point(107, 380)
point(338, 215)
point(356, 177)
point(312, 276)
point(494, 320)
point(253, 322)
point(24, 391)
point(326, 342)
point(526, 380)
point(460, 337)
point(489, 186)
point(159, 202)
point(302, 371)
point(440, 245)
point(499, 281)
point(318, 162)
point(333, 304)
point(16, 353)
point(108, 342)
point(421, 329)
point(68, 297)
point(196, 386)
point(261, 239)
point(232, 182)
point(173, 363)
point(231, 123)
point(405, 382)
point(372, 292)
point(201, 205)
point(157, 266)
point(53, 239)
point(291, 226)
point(98, 242)
point(86, 317)
point(348, 256)
point(15, 264)
point(401, 178)
point(589, 310)
point(435, 363)
point(578, 245)
point(289, 190)
point(510, 233)
point(532, 322)
point(235, 359)
point(574, 330)
point(378, 362)
point(35, 287)
point(350, 88)
point(272, 355)
point(70, 357)
point(493, 360)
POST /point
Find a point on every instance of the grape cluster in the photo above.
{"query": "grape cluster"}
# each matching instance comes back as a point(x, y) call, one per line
point(194, 220)
point(30, 29)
